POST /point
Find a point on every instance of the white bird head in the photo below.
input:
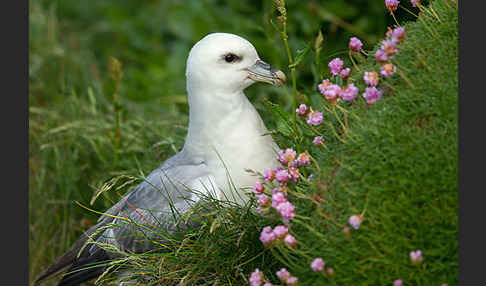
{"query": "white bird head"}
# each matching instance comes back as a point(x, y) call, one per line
point(228, 63)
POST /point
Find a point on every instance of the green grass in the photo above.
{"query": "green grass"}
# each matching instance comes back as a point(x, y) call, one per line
point(396, 162)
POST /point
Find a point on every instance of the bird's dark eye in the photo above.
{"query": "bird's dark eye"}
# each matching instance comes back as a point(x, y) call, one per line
point(230, 57)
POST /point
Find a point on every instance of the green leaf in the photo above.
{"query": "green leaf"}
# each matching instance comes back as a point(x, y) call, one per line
point(300, 56)
point(282, 119)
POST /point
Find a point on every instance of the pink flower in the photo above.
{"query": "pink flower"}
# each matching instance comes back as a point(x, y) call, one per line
point(268, 175)
point(372, 95)
point(290, 240)
point(303, 159)
point(415, 2)
point(287, 156)
point(286, 210)
point(278, 197)
point(282, 176)
point(256, 278)
point(398, 34)
point(330, 271)
point(314, 118)
point(263, 200)
point(355, 221)
point(276, 169)
point(294, 173)
point(371, 78)
point(347, 231)
point(268, 284)
point(318, 141)
point(389, 47)
point(391, 5)
point(389, 32)
point(302, 110)
point(258, 188)
point(388, 69)
point(283, 274)
point(292, 281)
point(322, 86)
point(267, 236)
point(336, 65)
point(318, 264)
point(416, 257)
point(349, 92)
point(345, 73)
point(380, 56)
point(332, 91)
point(281, 231)
point(398, 282)
point(355, 44)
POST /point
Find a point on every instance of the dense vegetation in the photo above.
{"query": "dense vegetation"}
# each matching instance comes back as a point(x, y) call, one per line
point(396, 162)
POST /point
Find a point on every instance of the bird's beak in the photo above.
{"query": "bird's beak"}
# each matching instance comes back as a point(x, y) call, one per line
point(261, 71)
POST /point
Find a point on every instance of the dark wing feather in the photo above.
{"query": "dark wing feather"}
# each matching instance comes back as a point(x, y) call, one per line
point(153, 204)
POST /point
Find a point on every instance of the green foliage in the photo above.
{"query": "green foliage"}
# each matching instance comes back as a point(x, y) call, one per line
point(395, 161)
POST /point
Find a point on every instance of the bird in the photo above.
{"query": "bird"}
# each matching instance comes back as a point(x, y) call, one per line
point(225, 137)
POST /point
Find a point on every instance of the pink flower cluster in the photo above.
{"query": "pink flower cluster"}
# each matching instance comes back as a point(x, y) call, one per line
point(291, 162)
point(257, 278)
point(371, 94)
point(286, 156)
point(336, 66)
point(388, 69)
point(355, 221)
point(286, 277)
point(313, 117)
point(398, 282)
point(416, 257)
point(302, 110)
point(280, 234)
point(391, 5)
point(333, 92)
point(355, 44)
point(318, 141)
point(318, 264)
point(388, 48)
point(386, 52)
point(280, 203)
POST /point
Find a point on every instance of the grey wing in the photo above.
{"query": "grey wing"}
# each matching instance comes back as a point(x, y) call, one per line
point(156, 204)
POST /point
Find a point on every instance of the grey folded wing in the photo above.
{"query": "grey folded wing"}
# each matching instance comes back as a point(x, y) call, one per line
point(152, 208)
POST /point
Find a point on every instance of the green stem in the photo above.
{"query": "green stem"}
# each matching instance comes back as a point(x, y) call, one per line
point(116, 138)
point(293, 75)
point(352, 61)
point(292, 71)
point(393, 15)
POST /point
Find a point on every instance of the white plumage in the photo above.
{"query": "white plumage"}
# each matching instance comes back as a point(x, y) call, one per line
point(225, 137)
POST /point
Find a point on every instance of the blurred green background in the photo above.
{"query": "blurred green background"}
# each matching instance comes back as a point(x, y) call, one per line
point(70, 90)
point(152, 39)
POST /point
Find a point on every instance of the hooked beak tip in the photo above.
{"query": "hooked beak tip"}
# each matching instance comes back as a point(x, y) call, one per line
point(261, 71)
point(280, 78)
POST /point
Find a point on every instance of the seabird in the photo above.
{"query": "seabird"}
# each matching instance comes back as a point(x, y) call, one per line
point(226, 135)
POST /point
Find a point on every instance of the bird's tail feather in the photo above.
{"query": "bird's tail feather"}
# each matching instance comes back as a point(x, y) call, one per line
point(66, 260)
point(85, 268)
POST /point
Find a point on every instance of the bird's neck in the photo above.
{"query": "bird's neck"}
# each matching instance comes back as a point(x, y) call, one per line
point(212, 116)
point(227, 134)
